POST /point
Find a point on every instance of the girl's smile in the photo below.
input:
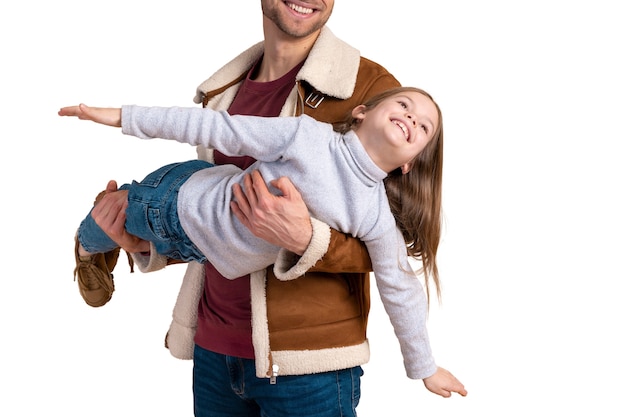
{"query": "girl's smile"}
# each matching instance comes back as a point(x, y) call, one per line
point(397, 129)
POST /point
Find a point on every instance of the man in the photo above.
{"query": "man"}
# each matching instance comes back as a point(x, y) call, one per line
point(261, 346)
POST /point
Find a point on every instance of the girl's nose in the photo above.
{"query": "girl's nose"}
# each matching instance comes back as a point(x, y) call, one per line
point(411, 119)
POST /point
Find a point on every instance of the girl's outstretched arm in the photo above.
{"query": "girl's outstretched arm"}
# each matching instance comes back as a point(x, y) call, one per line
point(102, 115)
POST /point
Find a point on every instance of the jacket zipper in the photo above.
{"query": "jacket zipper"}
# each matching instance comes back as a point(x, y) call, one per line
point(272, 370)
point(275, 368)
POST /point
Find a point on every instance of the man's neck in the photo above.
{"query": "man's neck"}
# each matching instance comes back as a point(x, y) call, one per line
point(282, 53)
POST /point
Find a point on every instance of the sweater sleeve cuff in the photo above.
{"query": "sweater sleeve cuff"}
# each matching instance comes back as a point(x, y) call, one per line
point(423, 371)
point(289, 266)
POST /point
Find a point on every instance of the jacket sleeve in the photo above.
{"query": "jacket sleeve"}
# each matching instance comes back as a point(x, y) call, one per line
point(151, 261)
point(345, 254)
point(329, 251)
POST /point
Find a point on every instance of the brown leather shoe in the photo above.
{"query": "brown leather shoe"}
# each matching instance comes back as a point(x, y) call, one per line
point(95, 280)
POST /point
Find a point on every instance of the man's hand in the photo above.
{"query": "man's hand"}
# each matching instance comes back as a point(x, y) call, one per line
point(281, 220)
point(444, 383)
point(110, 214)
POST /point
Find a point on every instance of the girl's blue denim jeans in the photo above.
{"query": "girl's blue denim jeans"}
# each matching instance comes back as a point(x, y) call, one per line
point(151, 214)
point(226, 386)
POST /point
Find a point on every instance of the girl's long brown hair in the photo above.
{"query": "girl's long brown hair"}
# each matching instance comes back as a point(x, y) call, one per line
point(415, 197)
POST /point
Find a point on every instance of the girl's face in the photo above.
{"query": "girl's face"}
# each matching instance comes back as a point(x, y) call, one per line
point(397, 129)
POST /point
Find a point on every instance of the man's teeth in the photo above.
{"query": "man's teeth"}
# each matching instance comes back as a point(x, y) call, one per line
point(300, 9)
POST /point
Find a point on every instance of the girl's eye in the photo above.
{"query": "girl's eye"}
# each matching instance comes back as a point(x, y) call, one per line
point(403, 104)
point(424, 128)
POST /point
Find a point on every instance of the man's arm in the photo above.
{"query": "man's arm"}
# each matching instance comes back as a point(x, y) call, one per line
point(282, 220)
point(345, 254)
point(109, 213)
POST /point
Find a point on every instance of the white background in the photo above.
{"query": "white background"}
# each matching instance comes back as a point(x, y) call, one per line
point(532, 319)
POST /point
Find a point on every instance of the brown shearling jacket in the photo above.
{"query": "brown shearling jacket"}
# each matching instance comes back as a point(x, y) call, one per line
point(317, 322)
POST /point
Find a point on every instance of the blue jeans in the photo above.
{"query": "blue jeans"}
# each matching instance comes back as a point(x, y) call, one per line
point(226, 386)
point(151, 214)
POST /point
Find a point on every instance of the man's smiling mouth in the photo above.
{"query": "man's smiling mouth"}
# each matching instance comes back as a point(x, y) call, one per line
point(299, 9)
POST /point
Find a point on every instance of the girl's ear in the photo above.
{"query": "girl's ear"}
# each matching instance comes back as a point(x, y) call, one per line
point(359, 112)
point(406, 167)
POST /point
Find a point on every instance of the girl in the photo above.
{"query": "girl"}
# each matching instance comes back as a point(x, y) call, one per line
point(386, 158)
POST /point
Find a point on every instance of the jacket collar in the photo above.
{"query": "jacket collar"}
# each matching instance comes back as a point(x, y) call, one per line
point(331, 68)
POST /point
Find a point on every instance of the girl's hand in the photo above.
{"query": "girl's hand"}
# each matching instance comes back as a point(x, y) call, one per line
point(102, 115)
point(444, 383)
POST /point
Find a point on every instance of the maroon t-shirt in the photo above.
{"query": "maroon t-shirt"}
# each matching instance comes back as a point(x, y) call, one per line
point(224, 314)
